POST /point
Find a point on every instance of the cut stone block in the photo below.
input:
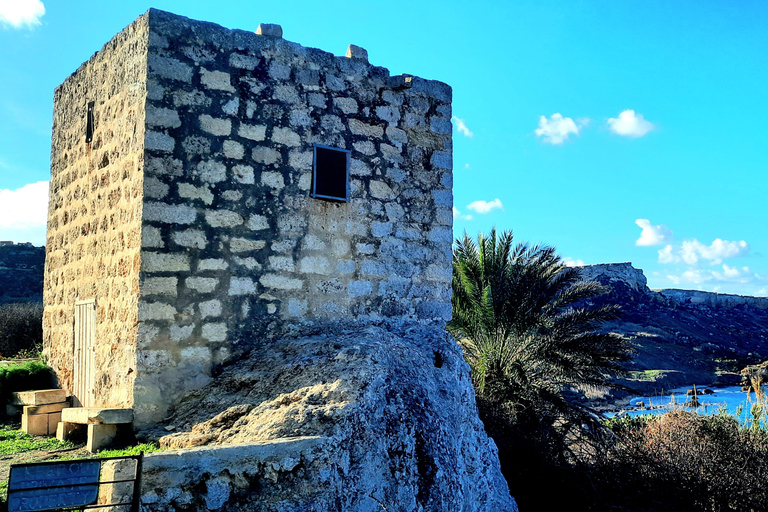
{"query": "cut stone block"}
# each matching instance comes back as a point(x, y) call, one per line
point(95, 415)
point(35, 424)
point(39, 397)
point(269, 29)
point(45, 409)
point(53, 422)
point(100, 436)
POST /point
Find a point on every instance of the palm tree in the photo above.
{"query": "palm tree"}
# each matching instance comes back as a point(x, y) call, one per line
point(527, 329)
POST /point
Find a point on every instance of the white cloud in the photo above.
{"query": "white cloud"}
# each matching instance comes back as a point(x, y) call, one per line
point(556, 129)
point(483, 207)
point(461, 126)
point(666, 255)
point(653, 234)
point(728, 274)
point(24, 213)
point(692, 251)
point(19, 13)
point(762, 291)
point(570, 262)
point(630, 124)
point(460, 216)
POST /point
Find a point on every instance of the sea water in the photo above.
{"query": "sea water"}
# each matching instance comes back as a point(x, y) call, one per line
point(731, 400)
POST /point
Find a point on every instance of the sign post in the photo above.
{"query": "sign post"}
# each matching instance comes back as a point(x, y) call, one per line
point(62, 485)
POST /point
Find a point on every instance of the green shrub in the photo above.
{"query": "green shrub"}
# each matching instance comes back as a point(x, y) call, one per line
point(24, 377)
point(21, 328)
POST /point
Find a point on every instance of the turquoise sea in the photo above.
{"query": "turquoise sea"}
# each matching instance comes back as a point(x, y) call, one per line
point(730, 399)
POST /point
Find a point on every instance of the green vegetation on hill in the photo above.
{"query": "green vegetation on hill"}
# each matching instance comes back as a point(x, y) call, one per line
point(21, 273)
point(21, 329)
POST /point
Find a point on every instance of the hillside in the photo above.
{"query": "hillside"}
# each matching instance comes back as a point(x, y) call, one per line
point(683, 336)
point(21, 272)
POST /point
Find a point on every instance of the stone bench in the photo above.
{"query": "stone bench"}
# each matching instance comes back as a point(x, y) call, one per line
point(41, 409)
point(102, 425)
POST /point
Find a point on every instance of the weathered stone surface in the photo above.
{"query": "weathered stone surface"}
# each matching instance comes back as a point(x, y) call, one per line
point(269, 29)
point(396, 409)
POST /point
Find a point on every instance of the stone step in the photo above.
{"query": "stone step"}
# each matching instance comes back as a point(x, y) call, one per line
point(45, 409)
point(39, 397)
point(96, 415)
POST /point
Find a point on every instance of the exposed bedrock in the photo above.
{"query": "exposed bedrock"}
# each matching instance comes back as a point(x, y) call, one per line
point(391, 413)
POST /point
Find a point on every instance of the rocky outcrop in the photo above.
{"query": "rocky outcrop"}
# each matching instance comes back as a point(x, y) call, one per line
point(390, 413)
point(714, 299)
point(617, 273)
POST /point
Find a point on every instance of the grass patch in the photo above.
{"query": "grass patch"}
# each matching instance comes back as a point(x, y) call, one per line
point(646, 375)
point(130, 450)
point(13, 441)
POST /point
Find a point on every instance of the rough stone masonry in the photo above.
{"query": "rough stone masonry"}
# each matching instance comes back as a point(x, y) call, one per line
point(189, 219)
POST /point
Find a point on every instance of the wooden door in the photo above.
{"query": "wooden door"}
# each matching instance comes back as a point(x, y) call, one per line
point(84, 376)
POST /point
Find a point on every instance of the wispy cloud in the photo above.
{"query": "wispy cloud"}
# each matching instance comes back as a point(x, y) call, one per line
point(570, 262)
point(460, 216)
point(726, 274)
point(461, 126)
point(692, 251)
point(24, 212)
point(557, 129)
point(630, 124)
point(653, 234)
point(21, 13)
point(483, 207)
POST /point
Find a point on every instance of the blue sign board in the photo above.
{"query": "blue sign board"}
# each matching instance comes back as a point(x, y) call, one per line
point(55, 485)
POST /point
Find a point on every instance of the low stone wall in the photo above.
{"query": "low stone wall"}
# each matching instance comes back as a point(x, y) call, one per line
point(238, 477)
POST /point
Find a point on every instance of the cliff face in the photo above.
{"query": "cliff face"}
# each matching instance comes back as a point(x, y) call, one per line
point(620, 274)
point(715, 299)
point(693, 336)
point(21, 273)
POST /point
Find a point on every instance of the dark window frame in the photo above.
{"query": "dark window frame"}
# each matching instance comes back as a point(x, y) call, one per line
point(314, 174)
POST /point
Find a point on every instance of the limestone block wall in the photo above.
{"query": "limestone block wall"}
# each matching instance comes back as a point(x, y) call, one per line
point(94, 219)
point(234, 250)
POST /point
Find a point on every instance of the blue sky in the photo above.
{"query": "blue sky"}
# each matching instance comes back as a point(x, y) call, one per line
point(615, 131)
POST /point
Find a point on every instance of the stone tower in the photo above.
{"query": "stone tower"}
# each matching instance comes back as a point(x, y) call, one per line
point(214, 189)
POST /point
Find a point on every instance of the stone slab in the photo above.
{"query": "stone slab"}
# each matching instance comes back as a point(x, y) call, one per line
point(39, 397)
point(95, 415)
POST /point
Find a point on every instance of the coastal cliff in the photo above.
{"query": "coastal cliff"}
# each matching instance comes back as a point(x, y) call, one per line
point(682, 336)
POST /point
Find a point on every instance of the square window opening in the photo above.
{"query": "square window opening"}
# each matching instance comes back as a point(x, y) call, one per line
point(330, 173)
